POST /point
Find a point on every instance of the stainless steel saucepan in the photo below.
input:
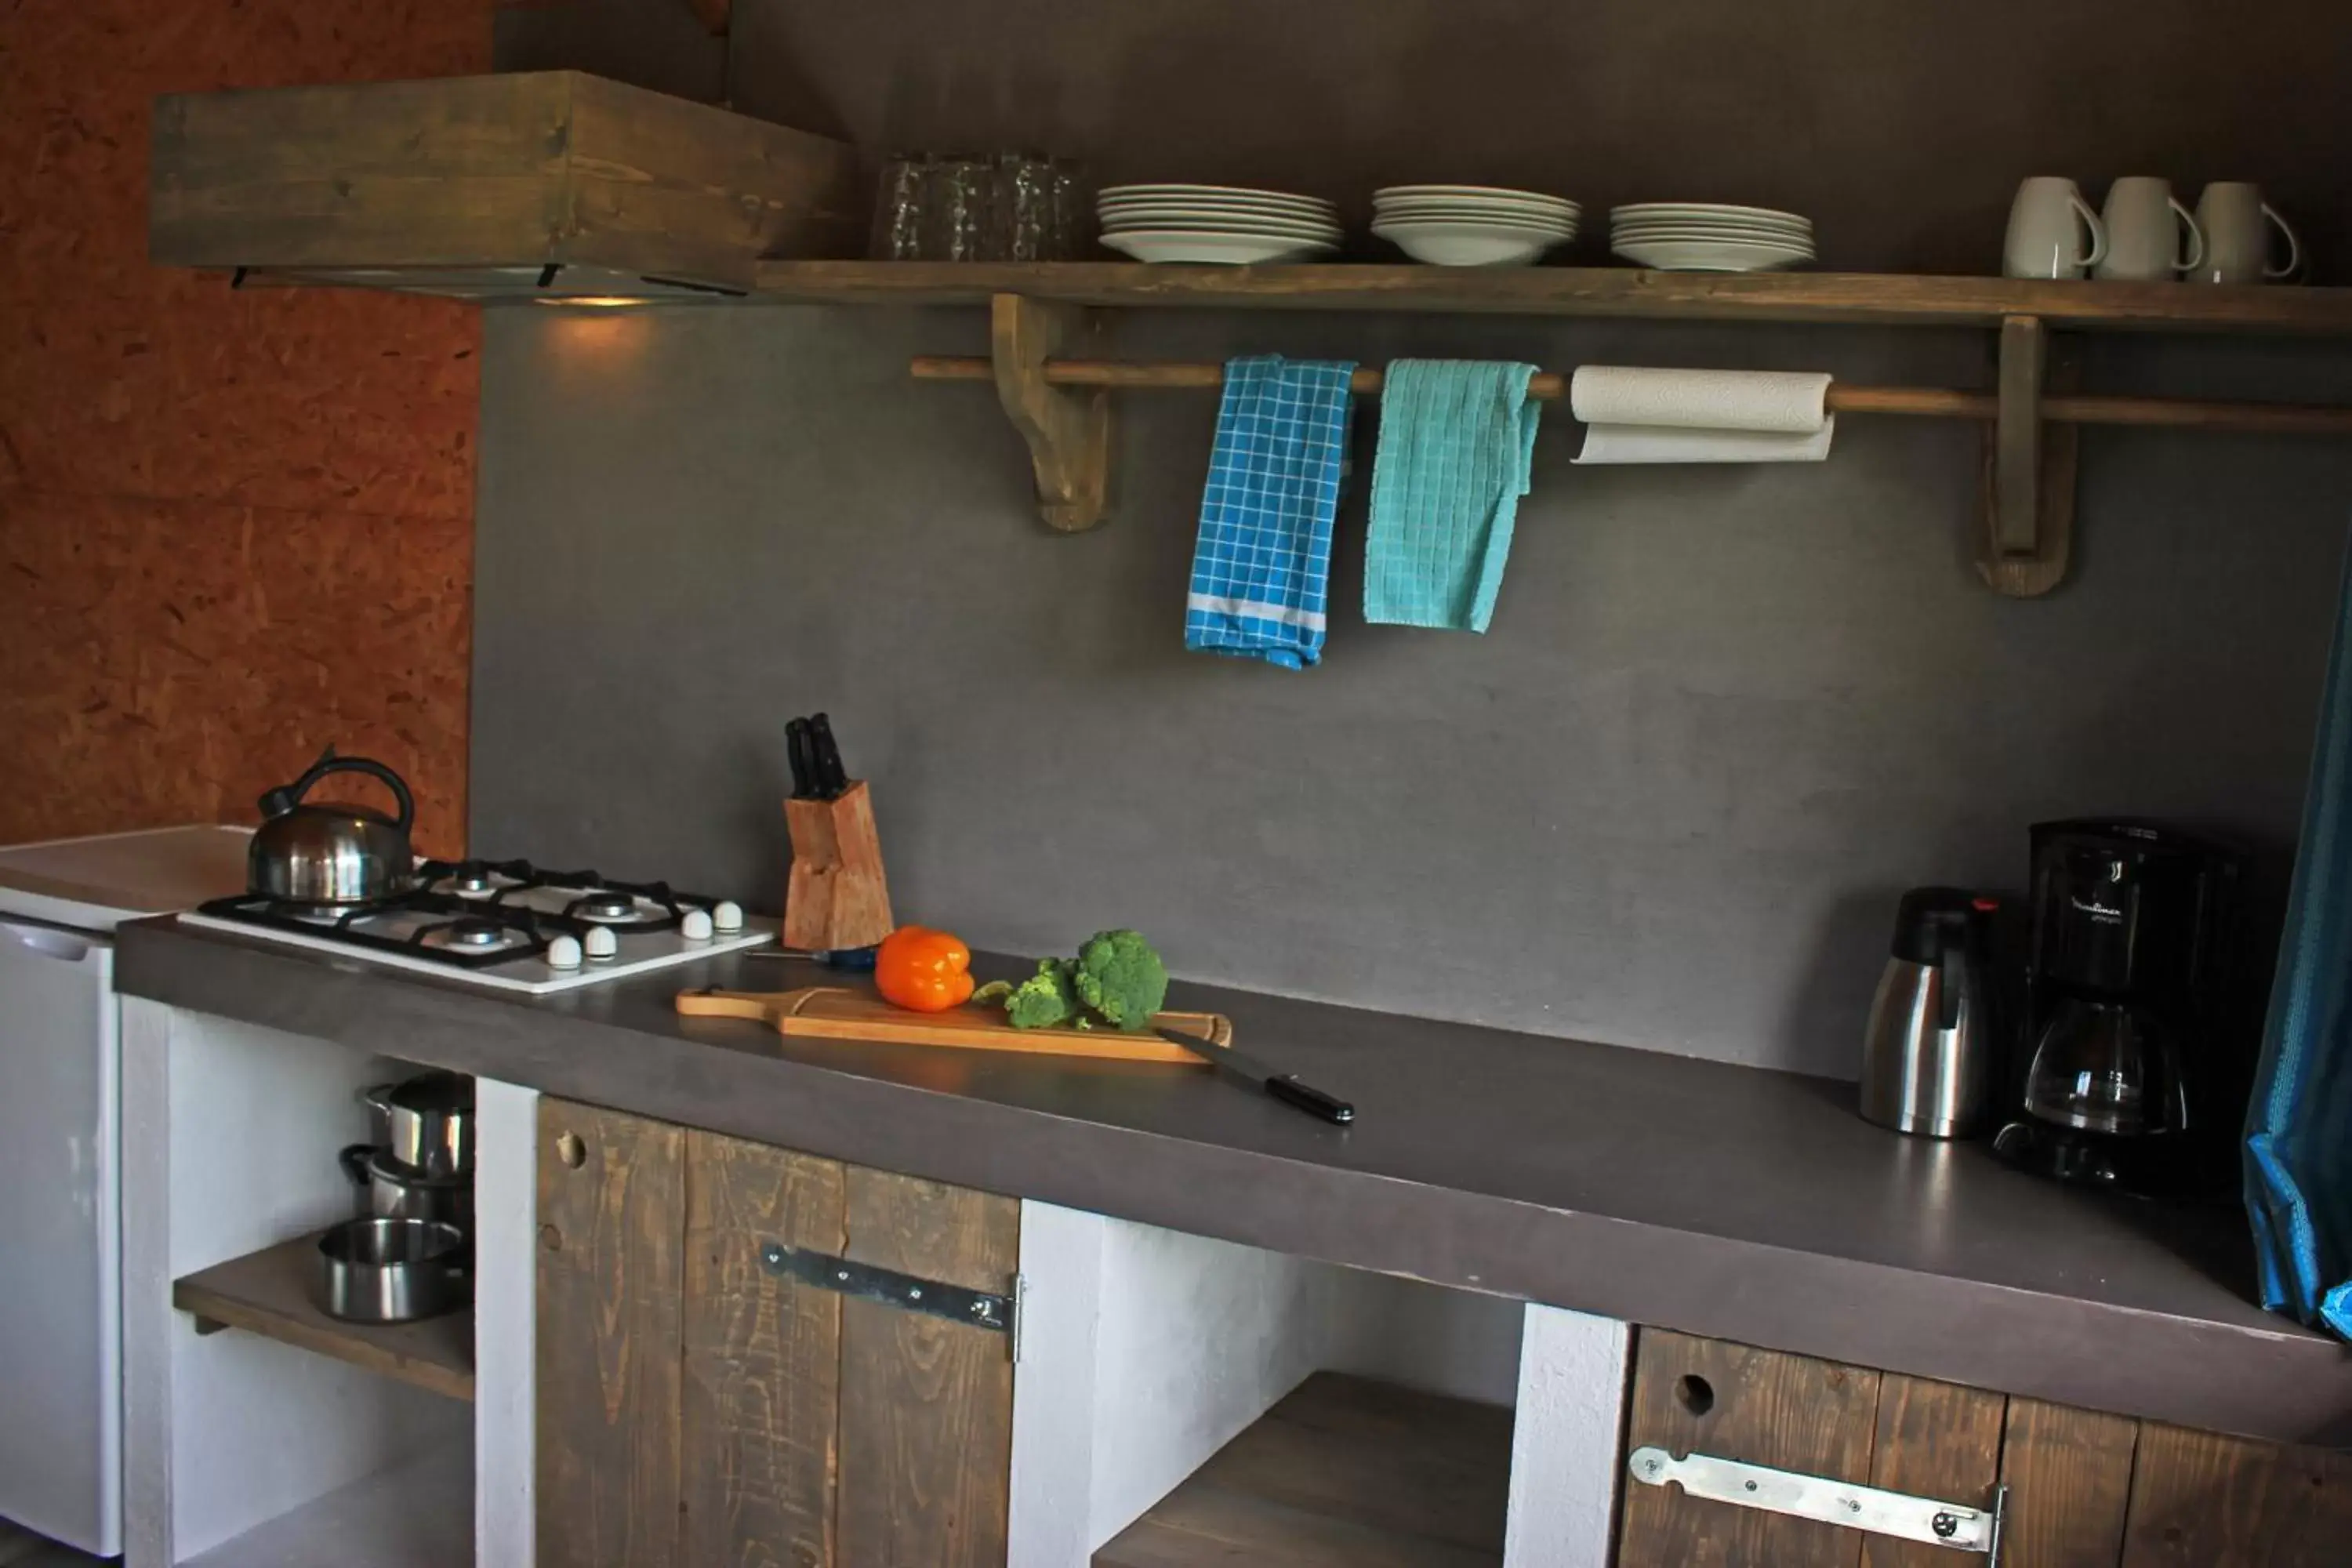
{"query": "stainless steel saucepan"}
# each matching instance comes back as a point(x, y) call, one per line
point(389, 1190)
point(392, 1271)
point(426, 1123)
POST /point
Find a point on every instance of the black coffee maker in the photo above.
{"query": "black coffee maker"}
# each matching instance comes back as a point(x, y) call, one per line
point(2137, 1043)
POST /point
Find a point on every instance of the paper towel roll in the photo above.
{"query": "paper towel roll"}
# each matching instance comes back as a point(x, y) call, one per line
point(1786, 401)
point(1664, 444)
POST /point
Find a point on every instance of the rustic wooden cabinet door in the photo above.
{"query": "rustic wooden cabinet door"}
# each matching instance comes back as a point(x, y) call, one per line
point(696, 1408)
point(2085, 1490)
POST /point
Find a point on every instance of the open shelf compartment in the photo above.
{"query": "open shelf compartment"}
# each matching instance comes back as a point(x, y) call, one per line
point(1344, 1471)
point(269, 1292)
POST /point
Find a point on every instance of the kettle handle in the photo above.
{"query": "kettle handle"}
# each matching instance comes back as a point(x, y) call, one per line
point(284, 798)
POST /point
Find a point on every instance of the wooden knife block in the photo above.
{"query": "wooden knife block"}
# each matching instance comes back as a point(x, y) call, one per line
point(837, 896)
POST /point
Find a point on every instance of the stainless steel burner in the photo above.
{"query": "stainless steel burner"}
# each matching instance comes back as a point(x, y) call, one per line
point(470, 935)
point(472, 879)
point(606, 906)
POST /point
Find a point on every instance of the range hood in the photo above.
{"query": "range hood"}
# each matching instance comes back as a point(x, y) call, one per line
point(549, 185)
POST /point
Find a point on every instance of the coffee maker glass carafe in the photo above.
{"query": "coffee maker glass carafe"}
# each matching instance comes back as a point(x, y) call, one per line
point(2103, 1066)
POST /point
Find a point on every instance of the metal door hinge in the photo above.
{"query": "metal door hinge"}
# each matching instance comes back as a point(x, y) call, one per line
point(868, 1283)
point(1899, 1514)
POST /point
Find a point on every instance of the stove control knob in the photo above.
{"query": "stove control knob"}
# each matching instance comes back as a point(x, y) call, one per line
point(563, 952)
point(695, 926)
point(727, 915)
point(601, 942)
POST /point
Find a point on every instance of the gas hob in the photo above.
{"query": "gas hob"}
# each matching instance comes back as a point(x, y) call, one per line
point(507, 925)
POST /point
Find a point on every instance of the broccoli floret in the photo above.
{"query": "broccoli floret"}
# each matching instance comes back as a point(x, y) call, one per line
point(1120, 977)
point(1044, 999)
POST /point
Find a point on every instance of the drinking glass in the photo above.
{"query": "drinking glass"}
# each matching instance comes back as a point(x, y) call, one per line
point(956, 208)
point(899, 208)
point(1021, 214)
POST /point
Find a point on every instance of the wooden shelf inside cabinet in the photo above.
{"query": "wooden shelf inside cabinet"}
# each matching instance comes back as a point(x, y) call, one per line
point(1344, 1471)
point(1857, 297)
point(269, 1293)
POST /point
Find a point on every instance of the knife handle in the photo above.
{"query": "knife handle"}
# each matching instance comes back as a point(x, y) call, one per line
point(1310, 1099)
point(799, 755)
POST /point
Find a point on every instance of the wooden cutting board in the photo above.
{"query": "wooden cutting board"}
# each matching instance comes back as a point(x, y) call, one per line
point(844, 1012)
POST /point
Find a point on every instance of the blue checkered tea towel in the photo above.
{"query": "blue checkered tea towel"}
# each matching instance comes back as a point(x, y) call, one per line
point(1262, 570)
point(1456, 437)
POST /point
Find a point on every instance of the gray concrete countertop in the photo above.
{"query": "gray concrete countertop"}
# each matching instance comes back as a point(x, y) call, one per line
point(1718, 1200)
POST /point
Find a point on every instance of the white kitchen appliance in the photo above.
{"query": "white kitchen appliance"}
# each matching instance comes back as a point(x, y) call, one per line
point(508, 925)
point(60, 1160)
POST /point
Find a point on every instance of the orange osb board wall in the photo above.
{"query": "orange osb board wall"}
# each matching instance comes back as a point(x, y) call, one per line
point(234, 527)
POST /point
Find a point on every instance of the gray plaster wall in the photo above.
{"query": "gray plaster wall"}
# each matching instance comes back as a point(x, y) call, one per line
point(1723, 716)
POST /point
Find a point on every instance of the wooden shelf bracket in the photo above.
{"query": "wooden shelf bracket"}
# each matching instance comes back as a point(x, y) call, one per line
point(1067, 428)
point(2029, 484)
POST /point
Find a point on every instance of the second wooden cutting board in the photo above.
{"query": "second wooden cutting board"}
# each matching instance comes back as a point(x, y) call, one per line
point(844, 1012)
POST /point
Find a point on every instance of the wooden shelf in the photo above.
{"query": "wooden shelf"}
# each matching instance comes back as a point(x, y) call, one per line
point(1862, 299)
point(269, 1293)
point(1343, 1471)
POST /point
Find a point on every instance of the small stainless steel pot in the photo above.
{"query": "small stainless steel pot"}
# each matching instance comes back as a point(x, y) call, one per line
point(392, 1271)
point(426, 1123)
point(389, 1190)
point(331, 855)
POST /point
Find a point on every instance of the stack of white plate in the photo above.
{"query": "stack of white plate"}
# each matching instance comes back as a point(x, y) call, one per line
point(1704, 236)
point(1472, 225)
point(1215, 222)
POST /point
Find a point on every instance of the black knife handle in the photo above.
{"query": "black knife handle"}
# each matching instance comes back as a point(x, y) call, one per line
point(798, 754)
point(1310, 1099)
point(831, 777)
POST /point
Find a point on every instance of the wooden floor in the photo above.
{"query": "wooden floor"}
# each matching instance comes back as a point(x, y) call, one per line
point(1344, 1471)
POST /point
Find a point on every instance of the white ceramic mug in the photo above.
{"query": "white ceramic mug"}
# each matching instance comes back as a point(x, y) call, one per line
point(2042, 239)
point(2237, 244)
point(2143, 241)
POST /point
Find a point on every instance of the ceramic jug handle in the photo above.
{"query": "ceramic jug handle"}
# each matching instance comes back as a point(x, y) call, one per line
point(2098, 232)
point(2196, 236)
point(2294, 246)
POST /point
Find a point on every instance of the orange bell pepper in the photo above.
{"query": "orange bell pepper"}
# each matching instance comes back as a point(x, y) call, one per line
point(923, 970)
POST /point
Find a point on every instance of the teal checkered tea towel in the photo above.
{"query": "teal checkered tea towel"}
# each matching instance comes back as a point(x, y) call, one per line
point(1456, 440)
point(1262, 565)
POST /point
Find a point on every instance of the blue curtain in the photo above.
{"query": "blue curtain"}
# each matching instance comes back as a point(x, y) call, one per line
point(2299, 1126)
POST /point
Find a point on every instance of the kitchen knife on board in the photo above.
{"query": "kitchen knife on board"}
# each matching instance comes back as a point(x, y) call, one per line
point(832, 778)
point(801, 757)
point(1243, 1069)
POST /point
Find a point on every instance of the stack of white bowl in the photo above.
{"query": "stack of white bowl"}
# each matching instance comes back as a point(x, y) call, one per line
point(1705, 237)
point(1215, 222)
point(1472, 225)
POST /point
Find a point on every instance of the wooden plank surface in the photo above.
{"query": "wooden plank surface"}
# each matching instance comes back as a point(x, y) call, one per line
point(274, 1293)
point(1934, 1439)
point(612, 1212)
point(2202, 1501)
point(2069, 1473)
point(1736, 1402)
point(761, 1395)
point(1342, 1471)
point(1605, 291)
point(925, 1405)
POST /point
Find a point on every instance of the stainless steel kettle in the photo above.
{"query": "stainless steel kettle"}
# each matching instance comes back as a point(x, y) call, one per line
point(1926, 1054)
point(330, 854)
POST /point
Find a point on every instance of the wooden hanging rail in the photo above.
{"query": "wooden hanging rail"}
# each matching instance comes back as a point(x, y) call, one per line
point(1058, 394)
point(2274, 418)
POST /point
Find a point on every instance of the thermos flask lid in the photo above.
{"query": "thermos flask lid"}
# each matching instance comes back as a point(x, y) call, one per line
point(1931, 919)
